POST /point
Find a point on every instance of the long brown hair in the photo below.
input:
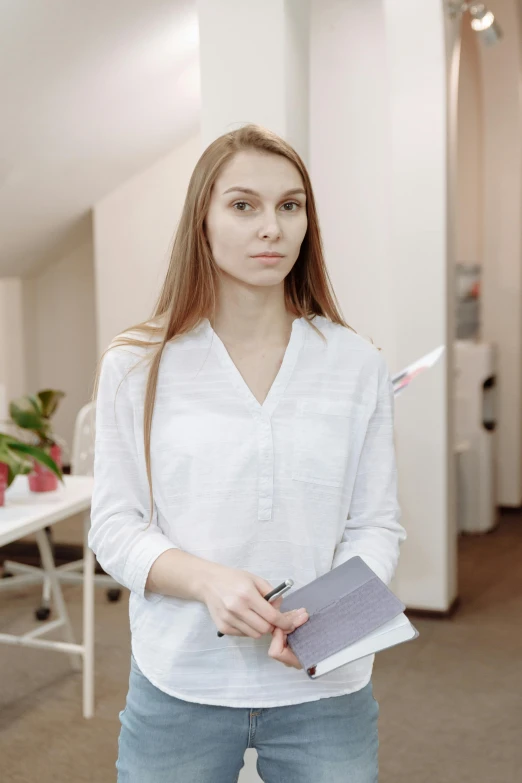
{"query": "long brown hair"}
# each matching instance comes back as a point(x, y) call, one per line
point(188, 294)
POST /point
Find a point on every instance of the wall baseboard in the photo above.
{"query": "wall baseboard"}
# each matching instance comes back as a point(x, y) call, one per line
point(510, 510)
point(434, 614)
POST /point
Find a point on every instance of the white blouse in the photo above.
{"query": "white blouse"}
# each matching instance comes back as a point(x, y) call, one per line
point(287, 489)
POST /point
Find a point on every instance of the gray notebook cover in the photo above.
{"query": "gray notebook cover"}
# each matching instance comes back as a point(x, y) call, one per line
point(344, 606)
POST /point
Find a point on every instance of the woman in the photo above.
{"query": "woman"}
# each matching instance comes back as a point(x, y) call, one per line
point(244, 436)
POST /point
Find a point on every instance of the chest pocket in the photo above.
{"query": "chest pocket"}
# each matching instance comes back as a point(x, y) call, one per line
point(324, 432)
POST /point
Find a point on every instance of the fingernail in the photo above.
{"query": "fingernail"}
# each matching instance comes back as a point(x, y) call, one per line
point(299, 616)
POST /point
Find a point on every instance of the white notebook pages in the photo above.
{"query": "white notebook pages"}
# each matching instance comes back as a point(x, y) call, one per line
point(388, 635)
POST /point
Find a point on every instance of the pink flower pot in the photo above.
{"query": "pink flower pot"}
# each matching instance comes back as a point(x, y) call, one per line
point(3, 482)
point(42, 480)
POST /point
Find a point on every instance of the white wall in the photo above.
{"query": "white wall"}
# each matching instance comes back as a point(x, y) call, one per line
point(502, 256)
point(470, 189)
point(422, 254)
point(270, 88)
point(350, 159)
point(12, 344)
point(60, 330)
point(133, 231)
point(378, 151)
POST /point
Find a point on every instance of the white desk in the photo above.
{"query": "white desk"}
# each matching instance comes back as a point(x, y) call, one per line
point(27, 513)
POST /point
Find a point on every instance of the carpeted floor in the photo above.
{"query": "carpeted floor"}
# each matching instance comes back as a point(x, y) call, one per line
point(451, 703)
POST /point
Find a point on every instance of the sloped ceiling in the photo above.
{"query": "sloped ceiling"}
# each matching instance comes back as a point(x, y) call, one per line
point(92, 92)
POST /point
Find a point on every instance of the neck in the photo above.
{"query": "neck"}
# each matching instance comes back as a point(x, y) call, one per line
point(251, 315)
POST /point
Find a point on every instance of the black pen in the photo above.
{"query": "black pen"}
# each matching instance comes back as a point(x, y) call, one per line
point(275, 593)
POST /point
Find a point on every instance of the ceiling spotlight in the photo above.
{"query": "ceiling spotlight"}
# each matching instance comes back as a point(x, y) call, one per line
point(482, 21)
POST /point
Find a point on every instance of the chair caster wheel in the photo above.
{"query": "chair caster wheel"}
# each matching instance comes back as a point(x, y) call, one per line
point(42, 613)
point(114, 594)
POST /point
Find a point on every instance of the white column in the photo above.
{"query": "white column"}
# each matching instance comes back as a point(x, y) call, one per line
point(378, 152)
point(350, 151)
point(422, 252)
point(254, 67)
point(502, 257)
point(12, 341)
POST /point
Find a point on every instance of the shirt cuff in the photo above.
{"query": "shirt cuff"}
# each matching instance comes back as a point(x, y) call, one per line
point(141, 560)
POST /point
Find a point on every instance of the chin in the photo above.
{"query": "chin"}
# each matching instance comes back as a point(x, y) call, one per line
point(260, 277)
point(268, 277)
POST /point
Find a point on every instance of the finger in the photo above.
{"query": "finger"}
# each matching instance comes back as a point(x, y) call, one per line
point(238, 627)
point(279, 650)
point(269, 610)
point(250, 624)
point(286, 621)
point(289, 659)
point(277, 645)
point(252, 616)
point(301, 618)
point(283, 653)
point(265, 609)
point(262, 585)
point(257, 623)
point(278, 602)
point(292, 620)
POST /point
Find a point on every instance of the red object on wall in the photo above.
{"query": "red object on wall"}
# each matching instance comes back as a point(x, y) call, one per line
point(42, 479)
point(3, 482)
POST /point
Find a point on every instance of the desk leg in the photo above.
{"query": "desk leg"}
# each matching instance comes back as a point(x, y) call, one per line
point(46, 555)
point(88, 622)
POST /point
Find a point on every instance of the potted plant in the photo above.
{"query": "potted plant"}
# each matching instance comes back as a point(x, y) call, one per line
point(33, 413)
point(18, 458)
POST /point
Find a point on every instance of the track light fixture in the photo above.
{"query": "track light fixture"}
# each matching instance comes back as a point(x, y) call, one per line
point(482, 20)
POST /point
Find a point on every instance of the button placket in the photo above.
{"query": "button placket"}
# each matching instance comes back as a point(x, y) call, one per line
point(266, 469)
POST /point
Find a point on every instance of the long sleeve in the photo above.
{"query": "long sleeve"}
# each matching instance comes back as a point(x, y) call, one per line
point(373, 530)
point(122, 539)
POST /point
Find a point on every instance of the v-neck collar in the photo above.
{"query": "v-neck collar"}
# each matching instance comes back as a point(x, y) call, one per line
point(281, 380)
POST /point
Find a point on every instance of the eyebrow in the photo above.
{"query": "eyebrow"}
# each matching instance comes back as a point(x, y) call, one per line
point(250, 192)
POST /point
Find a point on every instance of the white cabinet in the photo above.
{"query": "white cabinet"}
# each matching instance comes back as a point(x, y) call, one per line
point(475, 425)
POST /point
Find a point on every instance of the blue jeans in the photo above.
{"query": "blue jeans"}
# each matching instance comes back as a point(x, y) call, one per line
point(166, 740)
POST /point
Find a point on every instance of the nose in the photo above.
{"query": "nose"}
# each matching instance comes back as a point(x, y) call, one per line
point(270, 228)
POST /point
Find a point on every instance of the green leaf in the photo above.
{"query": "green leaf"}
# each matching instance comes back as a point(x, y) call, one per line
point(16, 463)
point(35, 402)
point(23, 413)
point(40, 456)
point(49, 401)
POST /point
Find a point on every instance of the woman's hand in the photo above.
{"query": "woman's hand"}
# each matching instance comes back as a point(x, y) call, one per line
point(279, 649)
point(235, 601)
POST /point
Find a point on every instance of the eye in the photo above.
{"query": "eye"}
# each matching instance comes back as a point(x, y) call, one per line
point(241, 206)
point(290, 206)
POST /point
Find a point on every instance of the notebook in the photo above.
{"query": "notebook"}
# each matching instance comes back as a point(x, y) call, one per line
point(352, 614)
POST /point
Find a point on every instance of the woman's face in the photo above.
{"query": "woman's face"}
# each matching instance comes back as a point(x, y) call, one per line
point(257, 218)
